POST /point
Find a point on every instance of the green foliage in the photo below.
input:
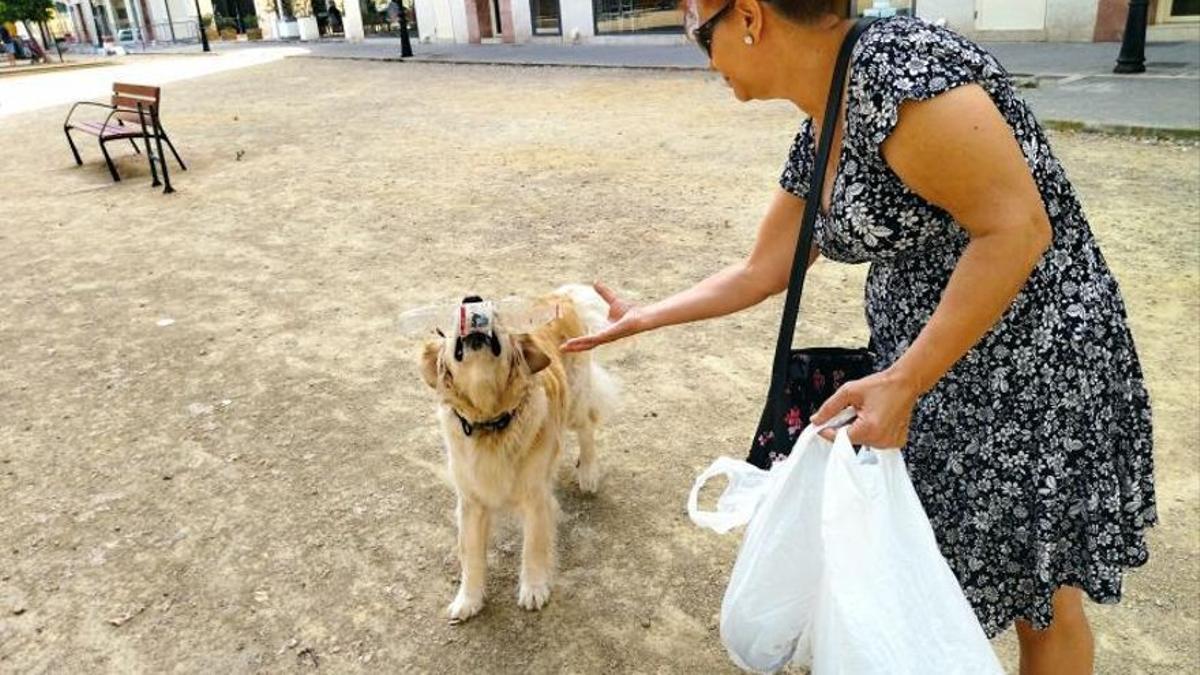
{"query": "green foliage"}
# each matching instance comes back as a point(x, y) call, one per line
point(248, 21)
point(26, 10)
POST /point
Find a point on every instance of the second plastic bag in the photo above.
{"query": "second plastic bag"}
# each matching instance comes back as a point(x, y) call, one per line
point(889, 602)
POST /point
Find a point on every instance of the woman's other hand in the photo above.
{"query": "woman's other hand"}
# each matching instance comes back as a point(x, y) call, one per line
point(884, 402)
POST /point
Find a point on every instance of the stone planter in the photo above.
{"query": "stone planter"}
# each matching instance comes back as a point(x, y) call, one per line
point(308, 28)
point(287, 29)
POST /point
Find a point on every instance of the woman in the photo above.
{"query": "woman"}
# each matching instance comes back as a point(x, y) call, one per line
point(8, 46)
point(1005, 368)
point(335, 19)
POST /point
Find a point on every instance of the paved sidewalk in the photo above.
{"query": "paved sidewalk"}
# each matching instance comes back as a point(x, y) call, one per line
point(64, 85)
point(1074, 81)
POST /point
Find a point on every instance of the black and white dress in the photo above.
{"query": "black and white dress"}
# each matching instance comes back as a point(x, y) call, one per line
point(1032, 456)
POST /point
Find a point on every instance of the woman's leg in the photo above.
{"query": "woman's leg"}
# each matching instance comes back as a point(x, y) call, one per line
point(1066, 647)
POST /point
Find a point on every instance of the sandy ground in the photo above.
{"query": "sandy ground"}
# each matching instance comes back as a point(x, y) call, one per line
point(259, 486)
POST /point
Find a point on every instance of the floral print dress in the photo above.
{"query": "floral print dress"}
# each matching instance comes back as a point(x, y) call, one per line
point(1032, 455)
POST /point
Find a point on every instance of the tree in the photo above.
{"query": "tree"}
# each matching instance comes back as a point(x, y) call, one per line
point(24, 11)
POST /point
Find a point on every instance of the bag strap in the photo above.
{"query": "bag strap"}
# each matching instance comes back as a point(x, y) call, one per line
point(791, 305)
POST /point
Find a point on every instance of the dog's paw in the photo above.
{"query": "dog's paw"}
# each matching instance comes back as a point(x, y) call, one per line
point(589, 478)
point(533, 596)
point(464, 607)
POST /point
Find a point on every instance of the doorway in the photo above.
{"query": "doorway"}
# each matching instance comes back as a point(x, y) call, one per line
point(483, 12)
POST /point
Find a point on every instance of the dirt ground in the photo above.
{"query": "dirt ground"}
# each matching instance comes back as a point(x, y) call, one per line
point(216, 454)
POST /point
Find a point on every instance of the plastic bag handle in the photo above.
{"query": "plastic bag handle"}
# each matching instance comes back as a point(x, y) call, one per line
point(747, 483)
point(736, 506)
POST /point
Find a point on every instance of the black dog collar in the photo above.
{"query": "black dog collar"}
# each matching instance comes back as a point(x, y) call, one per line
point(497, 424)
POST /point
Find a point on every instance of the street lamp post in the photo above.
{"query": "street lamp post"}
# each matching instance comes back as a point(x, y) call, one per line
point(1133, 44)
point(200, 23)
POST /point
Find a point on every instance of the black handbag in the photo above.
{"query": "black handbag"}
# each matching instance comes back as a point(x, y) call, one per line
point(803, 379)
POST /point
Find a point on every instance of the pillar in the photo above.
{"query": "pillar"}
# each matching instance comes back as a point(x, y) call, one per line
point(352, 23)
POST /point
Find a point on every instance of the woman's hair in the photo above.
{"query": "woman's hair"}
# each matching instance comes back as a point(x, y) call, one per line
point(804, 11)
point(799, 11)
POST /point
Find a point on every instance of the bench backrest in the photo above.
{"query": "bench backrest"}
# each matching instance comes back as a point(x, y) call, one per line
point(127, 96)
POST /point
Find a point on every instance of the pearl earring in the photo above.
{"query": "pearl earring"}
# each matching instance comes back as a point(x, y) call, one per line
point(749, 39)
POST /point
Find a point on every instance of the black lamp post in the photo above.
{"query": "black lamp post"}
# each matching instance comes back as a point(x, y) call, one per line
point(200, 23)
point(1133, 43)
point(405, 45)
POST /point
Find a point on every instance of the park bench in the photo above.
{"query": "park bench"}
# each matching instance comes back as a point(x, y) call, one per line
point(133, 115)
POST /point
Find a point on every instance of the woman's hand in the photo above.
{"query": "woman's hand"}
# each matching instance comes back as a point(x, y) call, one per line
point(625, 319)
point(884, 402)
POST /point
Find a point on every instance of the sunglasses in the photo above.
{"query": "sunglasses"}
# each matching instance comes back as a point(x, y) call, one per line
point(703, 33)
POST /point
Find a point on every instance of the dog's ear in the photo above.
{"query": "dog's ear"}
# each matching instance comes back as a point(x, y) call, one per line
point(429, 363)
point(535, 358)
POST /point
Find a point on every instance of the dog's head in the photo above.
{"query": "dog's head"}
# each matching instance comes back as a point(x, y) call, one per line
point(482, 374)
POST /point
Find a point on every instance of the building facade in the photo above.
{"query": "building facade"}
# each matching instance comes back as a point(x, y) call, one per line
point(657, 21)
point(1061, 20)
point(468, 21)
point(623, 21)
point(102, 21)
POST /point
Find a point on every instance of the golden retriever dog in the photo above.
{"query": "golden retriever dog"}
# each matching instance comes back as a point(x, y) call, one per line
point(504, 404)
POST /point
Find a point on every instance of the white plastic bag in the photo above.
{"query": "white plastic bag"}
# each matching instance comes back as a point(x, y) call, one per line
point(770, 601)
point(889, 602)
point(839, 569)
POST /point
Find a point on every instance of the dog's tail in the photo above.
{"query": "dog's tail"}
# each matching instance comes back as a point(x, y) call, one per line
point(592, 308)
point(606, 392)
point(593, 311)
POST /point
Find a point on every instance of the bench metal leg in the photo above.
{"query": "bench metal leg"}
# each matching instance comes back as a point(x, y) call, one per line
point(74, 150)
point(135, 147)
point(111, 167)
point(167, 189)
point(150, 158)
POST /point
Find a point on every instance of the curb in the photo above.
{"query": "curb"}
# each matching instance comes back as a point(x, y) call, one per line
point(519, 64)
point(1026, 80)
point(1134, 130)
point(52, 67)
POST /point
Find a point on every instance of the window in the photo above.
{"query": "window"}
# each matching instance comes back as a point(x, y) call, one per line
point(1185, 7)
point(903, 7)
point(637, 16)
point(546, 17)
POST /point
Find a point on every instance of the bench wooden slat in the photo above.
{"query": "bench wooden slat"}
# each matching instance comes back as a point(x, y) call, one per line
point(111, 131)
point(133, 103)
point(126, 89)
